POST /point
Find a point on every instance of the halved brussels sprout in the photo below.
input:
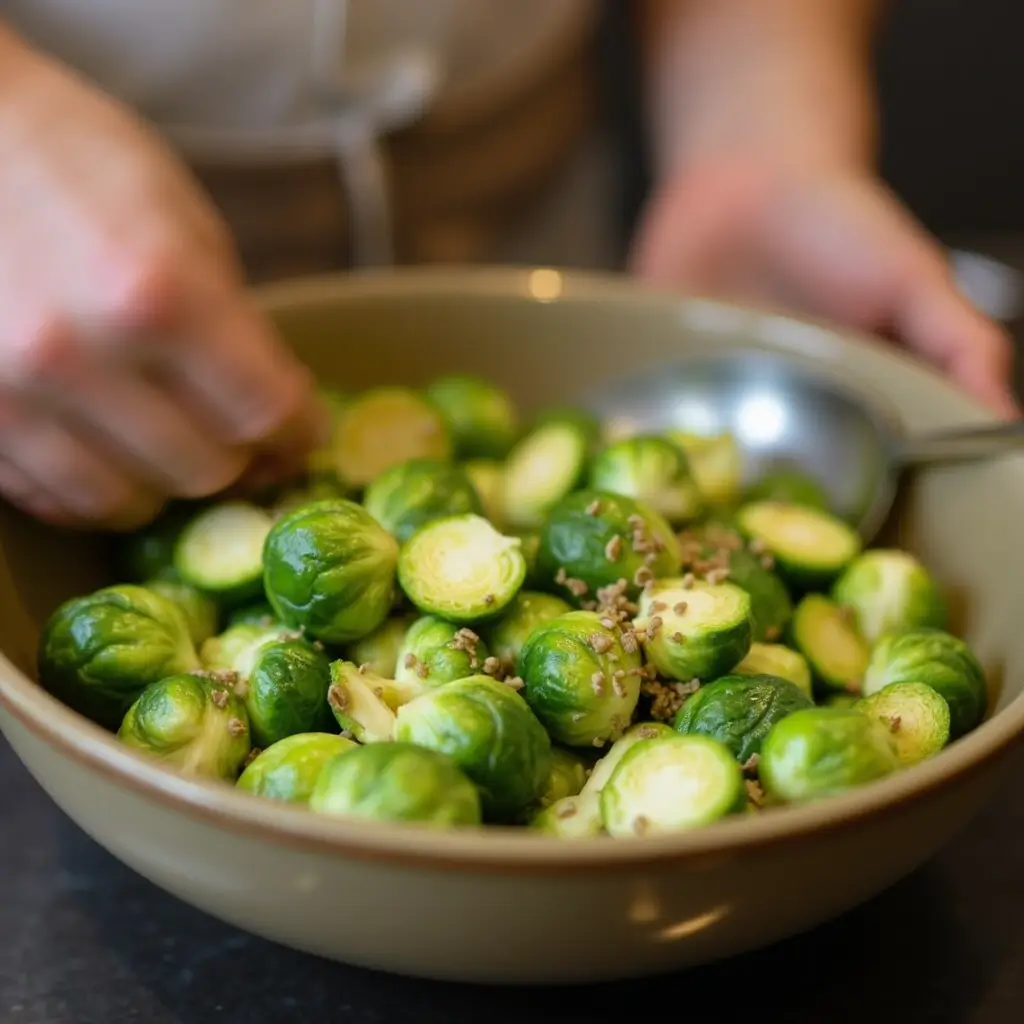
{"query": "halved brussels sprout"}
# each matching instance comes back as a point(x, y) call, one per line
point(435, 651)
point(916, 715)
point(824, 634)
point(97, 653)
point(491, 734)
point(567, 777)
point(544, 466)
point(385, 426)
point(653, 470)
point(581, 678)
point(286, 691)
point(481, 417)
point(692, 629)
point(811, 547)
point(790, 485)
point(147, 553)
point(488, 479)
point(670, 784)
point(192, 723)
point(890, 590)
point(397, 782)
point(260, 613)
point(822, 752)
point(716, 463)
point(288, 770)
point(593, 539)
point(461, 569)
point(378, 651)
point(364, 704)
point(235, 648)
point(777, 660)
point(941, 661)
point(329, 568)
point(200, 612)
point(528, 610)
point(409, 494)
point(738, 711)
point(220, 552)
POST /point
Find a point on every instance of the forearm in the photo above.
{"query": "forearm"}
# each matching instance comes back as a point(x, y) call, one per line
point(773, 81)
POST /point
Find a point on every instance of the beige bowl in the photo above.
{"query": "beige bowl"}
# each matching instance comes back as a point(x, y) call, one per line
point(502, 906)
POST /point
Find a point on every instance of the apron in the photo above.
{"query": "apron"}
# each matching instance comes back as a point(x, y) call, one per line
point(335, 133)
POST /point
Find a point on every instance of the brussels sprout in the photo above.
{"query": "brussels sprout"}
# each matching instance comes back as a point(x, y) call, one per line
point(490, 733)
point(192, 723)
point(940, 660)
point(385, 426)
point(234, 649)
point(916, 715)
point(740, 710)
point(692, 629)
point(418, 491)
point(811, 547)
point(461, 569)
point(839, 700)
point(200, 612)
point(377, 652)
point(823, 633)
point(789, 485)
point(653, 470)
point(287, 691)
point(890, 590)
point(321, 463)
point(567, 777)
point(481, 417)
point(777, 660)
point(488, 479)
point(716, 463)
point(99, 652)
point(288, 770)
point(321, 488)
point(329, 568)
point(583, 422)
point(435, 651)
point(147, 553)
point(260, 614)
point(530, 547)
point(544, 466)
point(580, 679)
point(397, 782)
point(528, 610)
point(364, 704)
point(593, 539)
point(220, 552)
point(670, 784)
point(821, 752)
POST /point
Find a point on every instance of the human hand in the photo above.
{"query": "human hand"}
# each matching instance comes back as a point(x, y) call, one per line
point(133, 367)
point(831, 244)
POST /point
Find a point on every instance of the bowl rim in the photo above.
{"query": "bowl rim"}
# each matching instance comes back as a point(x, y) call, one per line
point(499, 849)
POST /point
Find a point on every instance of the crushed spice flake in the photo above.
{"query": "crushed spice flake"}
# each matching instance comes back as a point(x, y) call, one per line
point(688, 581)
point(237, 727)
point(366, 666)
point(597, 742)
point(613, 549)
point(600, 643)
point(641, 825)
point(513, 682)
point(642, 575)
point(680, 607)
point(576, 587)
point(566, 809)
point(757, 546)
point(751, 763)
point(772, 633)
point(617, 688)
point(493, 667)
point(597, 684)
point(630, 643)
point(241, 688)
point(337, 697)
point(653, 626)
point(251, 756)
point(677, 638)
point(594, 508)
point(895, 722)
point(716, 576)
point(219, 698)
point(561, 576)
point(767, 562)
point(378, 691)
point(489, 600)
point(608, 622)
point(755, 794)
point(657, 607)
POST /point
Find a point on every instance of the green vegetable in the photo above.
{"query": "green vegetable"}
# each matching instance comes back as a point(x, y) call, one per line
point(670, 784)
point(363, 704)
point(461, 569)
point(593, 539)
point(530, 547)
point(580, 680)
point(397, 782)
point(715, 462)
point(409, 494)
point(567, 776)
point(940, 660)
point(890, 590)
point(822, 752)
point(260, 613)
point(148, 553)
point(193, 724)
point(321, 488)
point(288, 770)
point(780, 661)
point(490, 733)
point(789, 485)
point(97, 653)
point(528, 609)
point(200, 612)
point(582, 421)
point(378, 651)
point(481, 417)
point(329, 568)
point(738, 711)
point(435, 652)
point(916, 715)
point(823, 633)
point(704, 630)
point(234, 649)
point(488, 479)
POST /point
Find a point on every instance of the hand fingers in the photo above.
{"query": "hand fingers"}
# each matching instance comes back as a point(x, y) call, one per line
point(25, 494)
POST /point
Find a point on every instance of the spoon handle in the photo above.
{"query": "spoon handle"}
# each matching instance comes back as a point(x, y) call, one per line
point(961, 445)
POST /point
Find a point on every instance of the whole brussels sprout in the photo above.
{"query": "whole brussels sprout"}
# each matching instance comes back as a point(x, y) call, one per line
point(260, 614)
point(567, 777)
point(397, 782)
point(890, 590)
point(584, 423)
point(481, 417)
point(651, 469)
point(821, 752)
point(378, 651)
point(487, 477)
point(288, 770)
point(235, 648)
point(192, 723)
point(99, 652)
point(409, 494)
point(716, 463)
point(581, 679)
point(148, 552)
point(329, 568)
point(435, 651)
point(739, 711)
point(780, 661)
point(200, 612)
point(319, 488)
point(593, 539)
point(825, 635)
point(490, 733)
point(530, 547)
point(790, 485)
point(321, 463)
point(916, 715)
point(940, 660)
point(529, 609)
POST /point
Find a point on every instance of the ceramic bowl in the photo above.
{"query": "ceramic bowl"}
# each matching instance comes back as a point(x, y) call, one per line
point(506, 906)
